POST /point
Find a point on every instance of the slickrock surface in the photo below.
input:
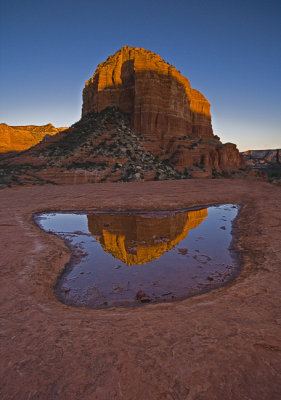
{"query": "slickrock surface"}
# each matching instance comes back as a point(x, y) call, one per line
point(225, 344)
point(19, 138)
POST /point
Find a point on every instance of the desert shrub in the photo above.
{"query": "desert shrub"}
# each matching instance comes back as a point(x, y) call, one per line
point(193, 145)
point(274, 171)
point(199, 165)
point(167, 162)
point(157, 175)
point(86, 165)
point(186, 173)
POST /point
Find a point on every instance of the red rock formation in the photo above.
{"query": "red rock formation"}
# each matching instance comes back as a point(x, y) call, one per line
point(174, 118)
point(19, 138)
point(159, 99)
point(229, 158)
point(262, 158)
point(141, 121)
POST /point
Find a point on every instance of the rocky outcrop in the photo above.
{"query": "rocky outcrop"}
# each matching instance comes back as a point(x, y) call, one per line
point(141, 120)
point(141, 238)
point(19, 138)
point(264, 164)
point(174, 119)
point(158, 98)
point(262, 158)
point(103, 147)
point(100, 147)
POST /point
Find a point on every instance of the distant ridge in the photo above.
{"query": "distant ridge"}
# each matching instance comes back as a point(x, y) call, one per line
point(262, 158)
point(19, 138)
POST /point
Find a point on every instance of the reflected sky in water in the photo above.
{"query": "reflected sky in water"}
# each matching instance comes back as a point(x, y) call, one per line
point(128, 258)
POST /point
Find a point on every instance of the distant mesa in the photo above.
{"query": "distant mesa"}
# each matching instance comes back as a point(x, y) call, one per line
point(19, 138)
point(262, 158)
point(141, 238)
point(141, 120)
point(264, 164)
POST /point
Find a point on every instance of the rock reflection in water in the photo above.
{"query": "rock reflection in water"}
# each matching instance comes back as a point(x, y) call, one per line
point(142, 238)
point(135, 257)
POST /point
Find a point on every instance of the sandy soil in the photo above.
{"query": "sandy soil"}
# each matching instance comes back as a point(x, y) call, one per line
point(225, 344)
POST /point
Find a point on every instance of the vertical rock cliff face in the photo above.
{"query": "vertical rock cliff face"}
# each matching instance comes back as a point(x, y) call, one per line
point(158, 98)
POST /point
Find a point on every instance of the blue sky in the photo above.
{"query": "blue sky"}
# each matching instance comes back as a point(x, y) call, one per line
point(230, 51)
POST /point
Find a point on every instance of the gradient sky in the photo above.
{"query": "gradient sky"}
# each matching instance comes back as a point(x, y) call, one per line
point(229, 50)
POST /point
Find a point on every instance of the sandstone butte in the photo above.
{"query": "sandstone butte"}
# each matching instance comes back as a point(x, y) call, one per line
point(141, 120)
point(19, 138)
point(159, 98)
point(163, 107)
point(132, 239)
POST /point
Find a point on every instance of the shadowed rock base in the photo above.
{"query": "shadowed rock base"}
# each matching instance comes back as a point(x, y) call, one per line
point(103, 147)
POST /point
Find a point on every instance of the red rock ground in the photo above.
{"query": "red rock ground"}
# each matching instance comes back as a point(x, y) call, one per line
point(225, 344)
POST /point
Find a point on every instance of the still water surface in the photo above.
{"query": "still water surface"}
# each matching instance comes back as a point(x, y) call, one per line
point(127, 258)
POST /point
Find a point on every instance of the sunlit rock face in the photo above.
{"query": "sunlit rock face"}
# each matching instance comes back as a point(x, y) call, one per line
point(140, 238)
point(19, 138)
point(174, 119)
point(141, 120)
point(159, 99)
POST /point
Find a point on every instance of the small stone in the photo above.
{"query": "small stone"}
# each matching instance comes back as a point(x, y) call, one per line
point(183, 251)
point(142, 297)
